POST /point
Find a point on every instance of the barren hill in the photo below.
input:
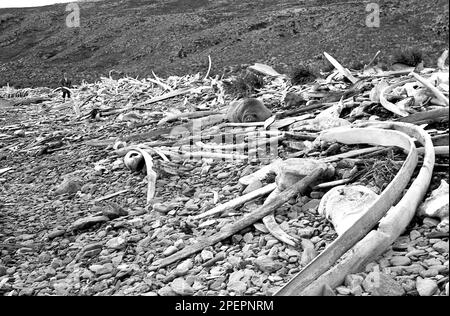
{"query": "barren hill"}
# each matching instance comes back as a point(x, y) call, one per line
point(136, 37)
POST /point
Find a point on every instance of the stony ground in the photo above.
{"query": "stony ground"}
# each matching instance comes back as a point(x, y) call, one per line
point(51, 245)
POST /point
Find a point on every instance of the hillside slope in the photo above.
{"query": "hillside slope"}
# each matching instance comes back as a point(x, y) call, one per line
point(136, 37)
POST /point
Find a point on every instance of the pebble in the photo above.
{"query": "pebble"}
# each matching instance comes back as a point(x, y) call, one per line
point(400, 261)
point(311, 206)
point(441, 247)
point(183, 268)
point(248, 238)
point(307, 232)
point(309, 253)
point(113, 211)
point(68, 186)
point(166, 291)
point(170, 251)
point(267, 264)
point(223, 175)
point(271, 243)
point(181, 287)
point(381, 284)
point(353, 280)
point(206, 255)
point(426, 287)
point(430, 222)
point(3, 271)
point(412, 269)
point(56, 233)
point(101, 269)
point(237, 287)
point(342, 290)
point(116, 243)
point(430, 273)
point(87, 222)
point(316, 195)
point(414, 234)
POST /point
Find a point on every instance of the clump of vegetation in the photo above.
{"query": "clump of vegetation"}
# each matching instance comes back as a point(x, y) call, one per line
point(302, 74)
point(326, 67)
point(6, 17)
point(244, 85)
point(410, 57)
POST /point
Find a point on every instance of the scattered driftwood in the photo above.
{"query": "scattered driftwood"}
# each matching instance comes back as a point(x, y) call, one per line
point(343, 71)
point(247, 220)
point(439, 95)
point(188, 115)
point(237, 202)
point(437, 115)
point(391, 226)
point(110, 196)
point(376, 211)
point(151, 174)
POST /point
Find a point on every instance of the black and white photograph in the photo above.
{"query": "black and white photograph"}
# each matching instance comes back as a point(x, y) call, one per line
point(228, 154)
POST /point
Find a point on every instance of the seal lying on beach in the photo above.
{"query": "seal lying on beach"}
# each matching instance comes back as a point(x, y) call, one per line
point(248, 110)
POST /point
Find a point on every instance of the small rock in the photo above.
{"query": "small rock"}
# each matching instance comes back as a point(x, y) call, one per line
point(68, 186)
point(149, 294)
point(248, 238)
point(307, 232)
point(100, 269)
point(206, 255)
point(183, 268)
point(430, 222)
point(292, 253)
point(237, 287)
point(414, 234)
point(2, 271)
point(87, 222)
point(316, 195)
point(380, 284)
point(223, 175)
point(413, 269)
point(353, 280)
point(116, 243)
point(311, 206)
point(56, 263)
point(170, 251)
point(430, 273)
point(56, 233)
point(267, 264)
point(309, 253)
point(441, 247)
point(181, 287)
point(19, 133)
point(236, 276)
point(342, 290)
point(270, 243)
point(62, 288)
point(426, 287)
point(357, 290)
point(234, 261)
point(400, 261)
point(166, 291)
point(113, 211)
